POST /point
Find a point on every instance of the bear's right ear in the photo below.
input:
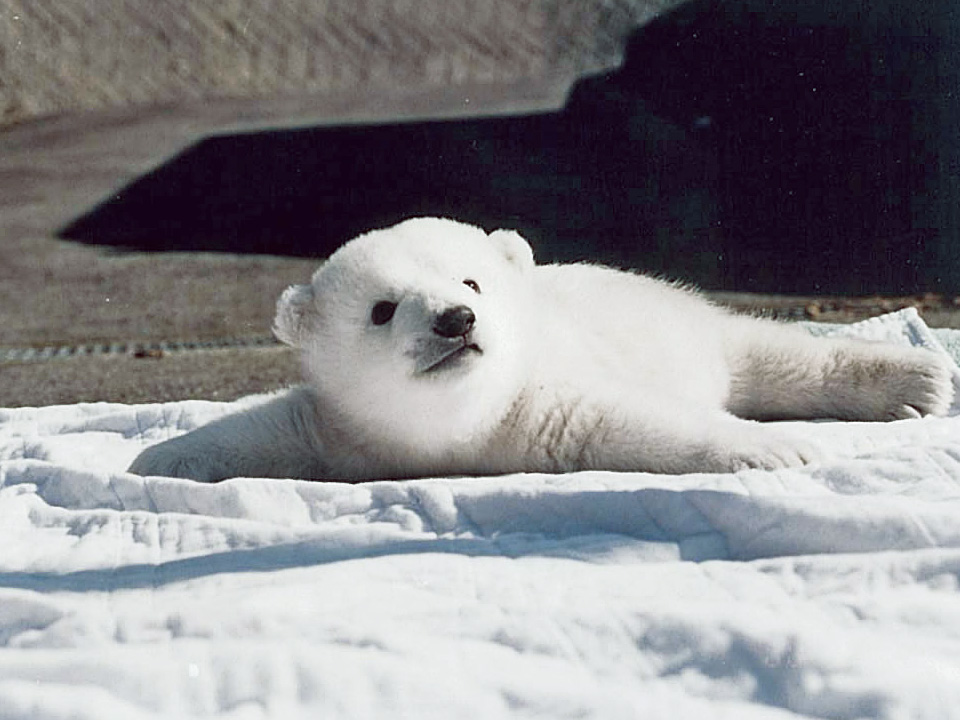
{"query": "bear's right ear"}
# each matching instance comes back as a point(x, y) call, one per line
point(291, 308)
point(514, 247)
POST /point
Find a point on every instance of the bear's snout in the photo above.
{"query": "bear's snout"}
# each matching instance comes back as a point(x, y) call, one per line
point(454, 322)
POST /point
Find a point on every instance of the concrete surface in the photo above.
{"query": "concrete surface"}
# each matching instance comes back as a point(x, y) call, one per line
point(201, 374)
point(51, 171)
point(59, 293)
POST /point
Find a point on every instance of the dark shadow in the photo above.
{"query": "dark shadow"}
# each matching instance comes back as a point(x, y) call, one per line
point(831, 126)
point(770, 146)
point(565, 180)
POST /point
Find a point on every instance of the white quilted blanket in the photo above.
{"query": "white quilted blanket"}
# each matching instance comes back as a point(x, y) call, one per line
point(829, 591)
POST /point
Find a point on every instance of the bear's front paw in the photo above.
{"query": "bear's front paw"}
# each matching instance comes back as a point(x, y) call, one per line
point(174, 458)
point(761, 447)
point(924, 388)
point(878, 382)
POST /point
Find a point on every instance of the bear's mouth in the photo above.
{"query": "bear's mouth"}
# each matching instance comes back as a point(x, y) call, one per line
point(452, 358)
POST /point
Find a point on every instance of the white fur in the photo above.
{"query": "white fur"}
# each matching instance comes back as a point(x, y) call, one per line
point(571, 367)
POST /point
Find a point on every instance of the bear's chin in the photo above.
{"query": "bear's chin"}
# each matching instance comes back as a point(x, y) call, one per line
point(430, 413)
point(426, 430)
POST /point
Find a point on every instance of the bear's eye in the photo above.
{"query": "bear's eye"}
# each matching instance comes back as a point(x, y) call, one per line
point(473, 285)
point(382, 312)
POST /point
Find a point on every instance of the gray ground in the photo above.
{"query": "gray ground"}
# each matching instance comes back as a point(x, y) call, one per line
point(59, 293)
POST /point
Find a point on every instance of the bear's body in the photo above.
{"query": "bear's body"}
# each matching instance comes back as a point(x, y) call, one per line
point(432, 348)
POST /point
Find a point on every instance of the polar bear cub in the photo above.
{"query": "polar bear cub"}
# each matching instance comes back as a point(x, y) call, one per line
point(433, 348)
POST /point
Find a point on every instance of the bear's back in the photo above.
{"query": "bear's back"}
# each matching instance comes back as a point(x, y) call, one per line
point(627, 332)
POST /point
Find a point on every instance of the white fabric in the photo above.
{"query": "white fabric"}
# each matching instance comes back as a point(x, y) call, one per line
point(825, 591)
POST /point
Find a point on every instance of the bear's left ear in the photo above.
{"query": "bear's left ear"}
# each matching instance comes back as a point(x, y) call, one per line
point(514, 248)
point(291, 308)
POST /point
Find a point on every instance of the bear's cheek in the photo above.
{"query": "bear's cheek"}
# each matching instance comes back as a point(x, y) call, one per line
point(342, 360)
point(502, 329)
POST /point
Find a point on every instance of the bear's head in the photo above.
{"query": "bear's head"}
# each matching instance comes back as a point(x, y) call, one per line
point(418, 333)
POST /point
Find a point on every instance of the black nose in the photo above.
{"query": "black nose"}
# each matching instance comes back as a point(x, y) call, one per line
point(454, 322)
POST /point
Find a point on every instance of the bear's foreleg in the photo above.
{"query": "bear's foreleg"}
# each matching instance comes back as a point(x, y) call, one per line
point(275, 439)
point(781, 372)
point(658, 435)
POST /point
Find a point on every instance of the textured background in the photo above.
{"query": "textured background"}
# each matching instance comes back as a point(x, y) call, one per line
point(77, 54)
